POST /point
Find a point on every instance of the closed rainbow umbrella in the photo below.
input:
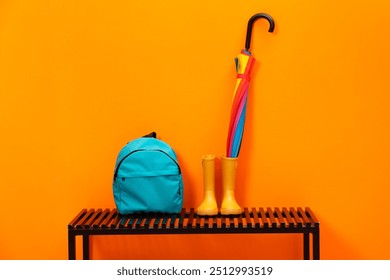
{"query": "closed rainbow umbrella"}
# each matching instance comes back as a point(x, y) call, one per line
point(244, 64)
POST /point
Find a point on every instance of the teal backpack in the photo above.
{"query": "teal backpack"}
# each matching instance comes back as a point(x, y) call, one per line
point(147, 178)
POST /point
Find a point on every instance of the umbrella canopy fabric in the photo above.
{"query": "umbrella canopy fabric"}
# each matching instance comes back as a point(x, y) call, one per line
point(244, 64)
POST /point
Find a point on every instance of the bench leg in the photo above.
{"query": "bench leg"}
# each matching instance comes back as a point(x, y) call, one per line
point(306, 246)
point(316, 244)
point(85, 246)
point(71, 246)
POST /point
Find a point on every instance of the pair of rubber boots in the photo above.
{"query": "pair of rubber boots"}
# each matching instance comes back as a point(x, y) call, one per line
point(229, 205)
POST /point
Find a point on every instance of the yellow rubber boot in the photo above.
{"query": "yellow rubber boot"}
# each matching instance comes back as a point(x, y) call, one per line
point(209, 205)
point(229, 169)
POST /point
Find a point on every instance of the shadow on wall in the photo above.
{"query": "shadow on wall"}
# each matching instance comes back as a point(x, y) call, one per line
point(331, 239)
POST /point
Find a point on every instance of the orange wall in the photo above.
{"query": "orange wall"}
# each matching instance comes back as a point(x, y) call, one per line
point(78, 79)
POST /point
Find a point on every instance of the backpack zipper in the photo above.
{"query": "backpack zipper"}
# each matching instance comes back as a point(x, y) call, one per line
point(140, 150)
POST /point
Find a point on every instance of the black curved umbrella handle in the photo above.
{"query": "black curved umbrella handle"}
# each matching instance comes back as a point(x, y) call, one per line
point(250, 25)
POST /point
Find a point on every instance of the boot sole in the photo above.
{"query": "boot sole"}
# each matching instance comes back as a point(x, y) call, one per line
point(231, 211)
point(207, 212)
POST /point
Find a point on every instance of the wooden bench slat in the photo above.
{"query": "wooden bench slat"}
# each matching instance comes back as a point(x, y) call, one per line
point(200, 222)
point(107, 221)
point(151, 222)
point(215, 221)
point(255, 218)
point(133, 222)
point(223, 222)
point(271, 216)
point(218, 222)
point(164, 221)
point(296, 217)
point(288, 217)
point(100, 219)
point(233, 221)
point(91, 220)
point(174, 219)
point(138, 222)
point(167, 220)
point(146, 222)
point(263, 217)
point(208, 222)
point(240, 222)
point(248, 218)
point(185, 221)
point(191, 218)
point(157, 221)
point(182, 217)
point(141, 221)
point(227, 221)
point(280, 217)
point(115, 220)
point(76, 219)
point(124, 221)
point(302, 214)
point(83, 219)
point(312, 217)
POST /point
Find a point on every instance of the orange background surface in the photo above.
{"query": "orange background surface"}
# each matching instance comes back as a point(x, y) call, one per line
point(79, 79)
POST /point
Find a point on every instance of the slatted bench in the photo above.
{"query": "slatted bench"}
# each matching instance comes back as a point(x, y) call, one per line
point(91, 222)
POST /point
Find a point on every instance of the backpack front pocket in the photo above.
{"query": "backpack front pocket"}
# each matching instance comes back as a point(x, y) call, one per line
point(149, 194)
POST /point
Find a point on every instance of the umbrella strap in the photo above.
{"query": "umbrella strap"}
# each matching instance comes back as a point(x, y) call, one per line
point(243, 76)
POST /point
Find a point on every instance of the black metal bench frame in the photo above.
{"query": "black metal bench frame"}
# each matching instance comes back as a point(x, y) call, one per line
point(253, 220)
